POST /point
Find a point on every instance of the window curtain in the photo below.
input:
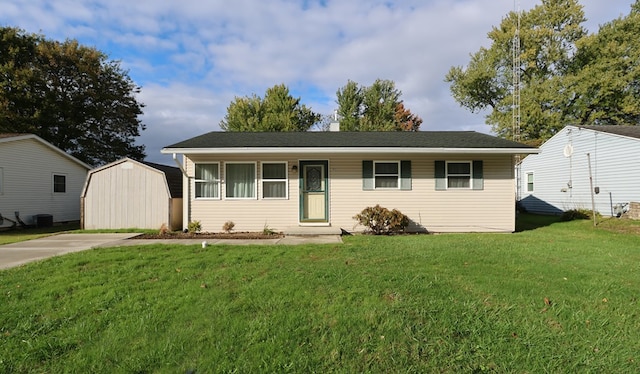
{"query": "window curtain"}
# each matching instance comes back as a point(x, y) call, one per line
point(274, 189)
point(386, 175)
point(271, 186)
point(240, 180)
point(206, 180)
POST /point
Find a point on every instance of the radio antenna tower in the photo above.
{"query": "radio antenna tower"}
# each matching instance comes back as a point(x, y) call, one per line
point(515, 109)
point(515, 49)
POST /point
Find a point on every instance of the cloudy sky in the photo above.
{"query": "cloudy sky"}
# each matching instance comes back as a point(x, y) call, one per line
point(192, 57)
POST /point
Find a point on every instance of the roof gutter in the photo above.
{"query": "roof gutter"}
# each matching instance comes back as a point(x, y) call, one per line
point(334, 150)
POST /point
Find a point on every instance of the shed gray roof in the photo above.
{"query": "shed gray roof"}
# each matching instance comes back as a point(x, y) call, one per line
point(624, 130)
point(312, 139)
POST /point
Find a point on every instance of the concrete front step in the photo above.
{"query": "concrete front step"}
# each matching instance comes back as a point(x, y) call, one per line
point(312, 230)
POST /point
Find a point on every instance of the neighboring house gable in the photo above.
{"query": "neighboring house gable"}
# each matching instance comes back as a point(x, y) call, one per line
point(559, 179)
point(38, 178)
point(444, 181)
point(132, 194)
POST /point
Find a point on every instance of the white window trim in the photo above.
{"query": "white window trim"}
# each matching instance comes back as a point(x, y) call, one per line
point(285, 180)
point(53, 182)
point(397, 187)
point(447, 175)
point(255, 180)
point(526, 182)
point(219, 180)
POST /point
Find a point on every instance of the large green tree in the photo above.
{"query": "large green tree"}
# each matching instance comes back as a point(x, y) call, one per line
point(566, 75)
point(374, 108)
point(277, 111)
point(69, 95)
point(548, 36)
point(604, 82)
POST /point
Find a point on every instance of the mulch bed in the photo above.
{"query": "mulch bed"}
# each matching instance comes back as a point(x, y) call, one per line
point(210, 235)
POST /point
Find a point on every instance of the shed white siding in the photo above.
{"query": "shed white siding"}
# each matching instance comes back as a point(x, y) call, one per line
point(561, 172)
point(128, 194)
point(490, 209)
point(27, 167)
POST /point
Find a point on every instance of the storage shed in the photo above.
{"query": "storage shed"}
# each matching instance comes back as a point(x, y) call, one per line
point(132, 194)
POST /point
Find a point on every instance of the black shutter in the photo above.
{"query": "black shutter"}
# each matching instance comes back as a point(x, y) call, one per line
point(440, 175)
point(367, 175)
point(478, 175)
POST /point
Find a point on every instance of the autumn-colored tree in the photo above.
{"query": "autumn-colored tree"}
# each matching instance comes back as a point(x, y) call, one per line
point(406, 120)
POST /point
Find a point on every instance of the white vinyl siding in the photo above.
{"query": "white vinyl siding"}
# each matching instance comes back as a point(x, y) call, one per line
point(28, 166)
point(458, 210)
point(1, 181)
point(247, 214)
point(207, 181)
point(561, 178)
point(240, 180)
point(274, 180)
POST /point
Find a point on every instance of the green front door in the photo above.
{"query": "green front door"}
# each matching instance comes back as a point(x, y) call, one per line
point(314, 203)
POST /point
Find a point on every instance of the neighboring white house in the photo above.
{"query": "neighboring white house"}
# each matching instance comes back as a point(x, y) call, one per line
point(444, 181)
point(132, 194)
point(38, 179)
point(559, 178)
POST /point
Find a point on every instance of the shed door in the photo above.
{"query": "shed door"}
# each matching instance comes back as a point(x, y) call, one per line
point(313, 191)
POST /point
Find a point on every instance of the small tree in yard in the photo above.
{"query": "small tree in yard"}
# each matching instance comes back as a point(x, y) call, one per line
point(381, 220)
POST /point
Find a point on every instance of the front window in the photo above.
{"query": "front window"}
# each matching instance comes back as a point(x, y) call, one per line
point(207, 180)
point(274, 180)
point(529, 182)
point(240, 180)
point(386, 174)
point(458, 174)
point(59, 183)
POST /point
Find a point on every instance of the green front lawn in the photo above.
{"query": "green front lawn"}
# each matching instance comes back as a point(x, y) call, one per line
point(559, 298)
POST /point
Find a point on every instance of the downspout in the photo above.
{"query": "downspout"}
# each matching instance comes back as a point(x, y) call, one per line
point(175, 159)
point(186, 208)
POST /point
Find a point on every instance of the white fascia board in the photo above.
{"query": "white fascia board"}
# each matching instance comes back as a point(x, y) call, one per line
point(334, 150)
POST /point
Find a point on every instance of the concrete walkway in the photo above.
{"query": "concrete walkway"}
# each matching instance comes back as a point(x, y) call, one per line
point(16, 254)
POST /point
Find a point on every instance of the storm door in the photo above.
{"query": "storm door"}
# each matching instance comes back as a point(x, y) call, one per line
point(314, 202)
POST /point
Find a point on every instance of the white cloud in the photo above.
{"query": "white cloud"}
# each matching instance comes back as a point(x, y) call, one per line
point(192, 57)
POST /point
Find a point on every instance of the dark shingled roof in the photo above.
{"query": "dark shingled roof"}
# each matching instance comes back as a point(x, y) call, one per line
point(624, 130)
point(173, 175)
point(328, 139)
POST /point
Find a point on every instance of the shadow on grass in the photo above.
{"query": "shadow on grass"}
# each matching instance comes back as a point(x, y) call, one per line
point(41, 230)
point(528, 221)
point(20, 234)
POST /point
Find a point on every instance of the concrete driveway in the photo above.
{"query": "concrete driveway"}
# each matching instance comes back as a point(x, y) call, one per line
point(16, 254)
